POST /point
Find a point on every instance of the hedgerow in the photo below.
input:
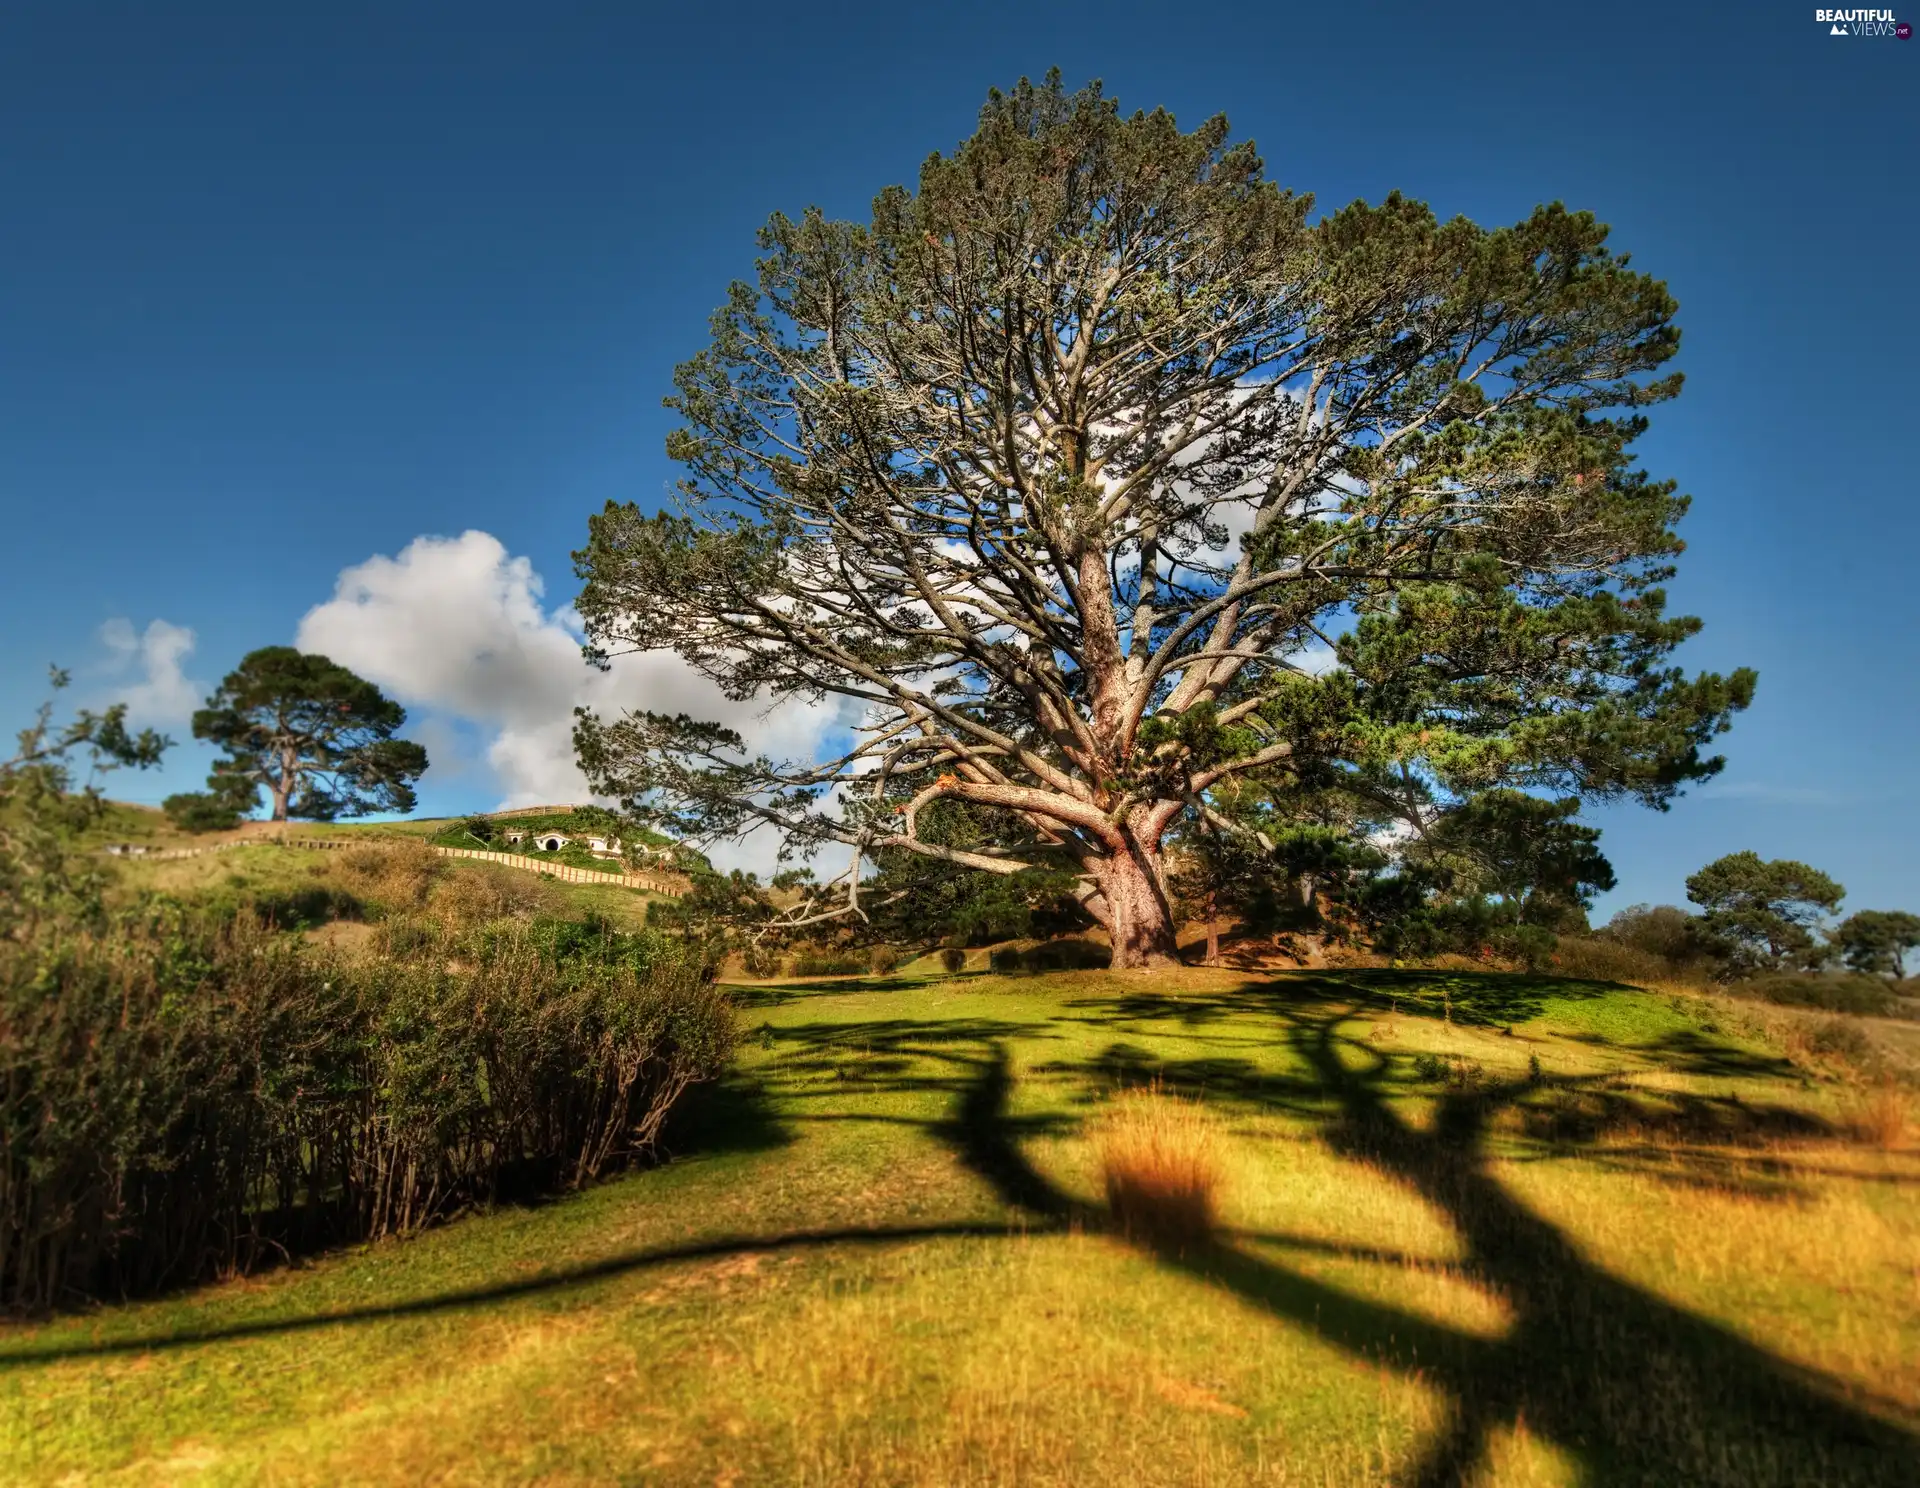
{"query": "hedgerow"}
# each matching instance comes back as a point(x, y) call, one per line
point(185, 1094)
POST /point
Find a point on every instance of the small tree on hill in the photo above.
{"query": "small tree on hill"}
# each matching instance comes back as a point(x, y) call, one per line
point(1065, 470)
point(1878, 940)
point(720, 911)
point(317, 737)
point(1762, 913)
point(1217, 875)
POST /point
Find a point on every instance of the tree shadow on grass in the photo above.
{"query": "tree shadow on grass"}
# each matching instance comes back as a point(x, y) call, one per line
point(1639, 1390)
point(1643, 1391)
point(558, 1280)
point(1692, 1052)
point(775, 994)
point(1485, 999)
point(735, 1113)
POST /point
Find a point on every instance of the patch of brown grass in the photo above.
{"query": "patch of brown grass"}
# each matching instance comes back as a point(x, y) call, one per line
point(1880, 1117)
point(473, 895)
point(396, 874)
point(1160, 1158)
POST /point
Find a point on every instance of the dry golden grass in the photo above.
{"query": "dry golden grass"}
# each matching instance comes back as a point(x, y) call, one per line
point(398, 874)
point(473, 893)
point(1161, 1164)
point(1805, 1248)
point(1881, 1117)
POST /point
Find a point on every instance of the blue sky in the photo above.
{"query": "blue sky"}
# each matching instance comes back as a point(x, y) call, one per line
point(285, 289)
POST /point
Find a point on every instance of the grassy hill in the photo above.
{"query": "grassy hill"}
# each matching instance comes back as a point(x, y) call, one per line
point(492, 835)
point(1470, 1226)
point(311, 888)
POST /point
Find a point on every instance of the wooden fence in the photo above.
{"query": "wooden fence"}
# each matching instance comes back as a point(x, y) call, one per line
point(136, 850)
point(648, 883)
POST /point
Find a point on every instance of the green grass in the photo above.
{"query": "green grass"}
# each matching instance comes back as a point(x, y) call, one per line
point(882, 1255)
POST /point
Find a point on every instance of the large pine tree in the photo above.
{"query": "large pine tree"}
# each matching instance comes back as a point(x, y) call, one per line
point(1069, 467)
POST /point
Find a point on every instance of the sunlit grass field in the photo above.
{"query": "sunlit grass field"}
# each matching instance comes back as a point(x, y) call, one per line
point(1469, 1228)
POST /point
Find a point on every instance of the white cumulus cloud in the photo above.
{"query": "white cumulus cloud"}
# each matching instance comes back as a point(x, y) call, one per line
point(160, 693)
point(458, 626)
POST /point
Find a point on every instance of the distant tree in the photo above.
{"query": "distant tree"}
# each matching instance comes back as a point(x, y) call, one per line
point(1216, 875)
point(204, 811)
point(317, 737)
point(1663, 930)
point(45, 806)
point(1878, 940)
point(1271, 861)
point(1761, 913)
point(1065, 470)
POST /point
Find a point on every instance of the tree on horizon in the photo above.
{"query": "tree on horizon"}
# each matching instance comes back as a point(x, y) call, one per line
point(316, 737)
point(1762, 913)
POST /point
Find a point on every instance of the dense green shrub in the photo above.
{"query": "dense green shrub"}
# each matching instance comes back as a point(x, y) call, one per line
point(1403, 923)
point(187, 1095)
point(283, 907)
point(828, 963)
point(758, 961)
point(597, 942)
point(203, 811)
point(1601, 958)
point(954, 959)
point(1005, 958)
point(1846, 993)
point(1842, 1038)
point(1065, 955)
point(1664, 932)
point(305, 907)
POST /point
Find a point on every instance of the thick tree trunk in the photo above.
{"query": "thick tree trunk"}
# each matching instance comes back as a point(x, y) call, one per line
point(283, 784)
point(1139, 919)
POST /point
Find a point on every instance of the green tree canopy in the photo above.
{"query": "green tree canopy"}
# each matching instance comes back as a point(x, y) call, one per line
point(1530, 854)
point(317, 737)
point(1878, 940)
point(1067, 472)
point(1762, 913)
point(913, 899)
